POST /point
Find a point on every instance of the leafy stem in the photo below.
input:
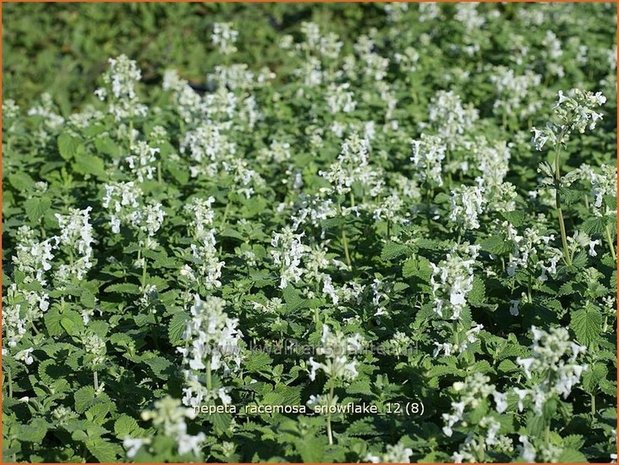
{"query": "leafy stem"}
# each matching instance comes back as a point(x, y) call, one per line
point(611, 244)
point(566, 253)
point(344, 237)
point(10, 377)
point(209, 381)
point(329, 431)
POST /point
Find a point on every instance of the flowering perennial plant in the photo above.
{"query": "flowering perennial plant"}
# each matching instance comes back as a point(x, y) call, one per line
point(309, 233)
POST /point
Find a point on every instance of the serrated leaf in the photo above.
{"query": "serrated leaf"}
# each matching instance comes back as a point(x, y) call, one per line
point(496, 245)
point(360, 387)
point(123, 288)
point(98, 412)
point(477, 296)
point(103, 450)
point(90, 164)
point(36, 208)
point(125, 426)
point(21, 181)
point(418, 267)
point(68, 145)
point(84, 398)
point(176, 327)
point(587, 324)
point(572, 456)
point(159, 365)
point(593, 376)
point(393, 250)
point(34, 431)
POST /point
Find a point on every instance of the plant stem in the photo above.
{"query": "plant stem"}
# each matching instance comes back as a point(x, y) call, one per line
point(130, 134)
point(566, 253)
point(611, 245)
point(209, 382)
point(345, 243)
point(10, 376)
point(593, 409)
point(144, 275)
point(329, 431)
point(223, 221)
point(96, 380)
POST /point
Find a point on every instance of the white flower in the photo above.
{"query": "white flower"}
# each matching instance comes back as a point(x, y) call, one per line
point(224, 37)
point(452, 280)
point(592, 245)
point(188, 443)
point(133, 445)
point(120, 88)
point(336, 349)
point(427, 158)
point(25, 356)
point(393, 454)
point(212, 343)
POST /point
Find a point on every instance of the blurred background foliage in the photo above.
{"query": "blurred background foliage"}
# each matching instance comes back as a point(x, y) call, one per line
point(62, 49)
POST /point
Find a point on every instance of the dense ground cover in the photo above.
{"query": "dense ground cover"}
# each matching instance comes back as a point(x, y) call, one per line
point(309, 233)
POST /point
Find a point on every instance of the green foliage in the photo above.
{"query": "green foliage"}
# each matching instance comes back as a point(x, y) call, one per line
point(352, 176)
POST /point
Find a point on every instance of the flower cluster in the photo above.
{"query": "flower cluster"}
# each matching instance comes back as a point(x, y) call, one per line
point(393, 454)
point(119, 89)
point(574, 111)
point(77, 238)
point(553, 367)
point(124, 200)
point(212, 344)
point(452, 280)
point(169, 418)
point(474, 410)
point(336, 348)
point(205, 268)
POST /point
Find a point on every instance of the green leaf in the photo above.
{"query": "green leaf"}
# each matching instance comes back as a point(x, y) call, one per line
point(88, 299)
point(477, 296)
point(69, 326)
point(311, 449)
point(36, 208)
point(292, 297)
point(159, 365)
point(393, 250)
point(516, 217)
point(360, 387)
point(68, 145)
point(90, 164)
point(103, 450)
point(35, 431)
point(125, 426)
point(98, 412)
point(176, 327)
point(593, 376)
point(594, 226)
point(107, 146)
point(418, 267)
point(257, 361)
point(84, 398)
point(123, 288)
point(572, 456)
point(52, 322)
point(587, 324)
point(21, 181)
point(496, 245)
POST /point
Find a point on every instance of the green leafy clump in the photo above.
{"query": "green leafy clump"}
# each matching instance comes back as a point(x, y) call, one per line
point(319, 233)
